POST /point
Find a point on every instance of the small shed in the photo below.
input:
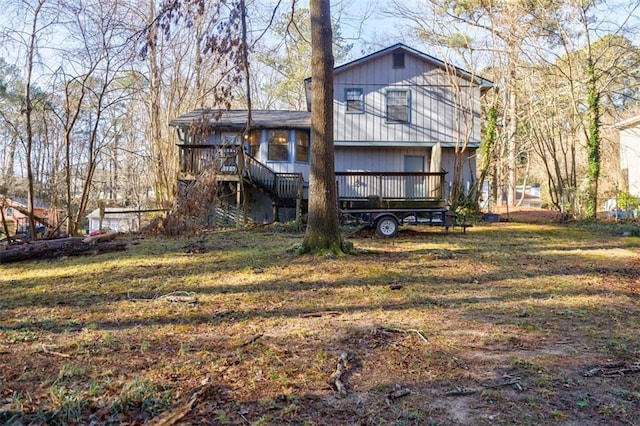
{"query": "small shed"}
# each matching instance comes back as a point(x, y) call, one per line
point(116, 219)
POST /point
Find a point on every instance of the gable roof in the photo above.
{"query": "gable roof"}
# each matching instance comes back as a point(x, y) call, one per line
point(483, 83)
point(237, 119)
point(23, 201)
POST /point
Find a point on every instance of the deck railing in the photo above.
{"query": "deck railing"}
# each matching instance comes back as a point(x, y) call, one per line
point(258, 172)
point(394, 186)
point(231, 160)
point(289, 185)
point(283, 185)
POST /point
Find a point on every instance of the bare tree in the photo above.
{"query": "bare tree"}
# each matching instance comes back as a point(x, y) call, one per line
point(585, 69)
point(33, 25)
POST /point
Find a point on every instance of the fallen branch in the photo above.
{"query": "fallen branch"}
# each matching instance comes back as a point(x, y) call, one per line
point(398, 393)
point(460, 391)
point(174, 296)
point(100, 238)
point(48, 352)
point(614, 369)
point(180, 296)
point(183, 407)
point(319, 314)
point(251, 340)
point(401, 330)
point(336, 377)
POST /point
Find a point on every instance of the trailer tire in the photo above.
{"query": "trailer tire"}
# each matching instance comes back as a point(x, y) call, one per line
point(387, 226)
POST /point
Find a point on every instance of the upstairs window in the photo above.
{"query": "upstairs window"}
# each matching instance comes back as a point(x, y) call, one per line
point(9, 212)
point(302, 146)
point(398, 110)
point(398, 60)
point(354, 100)
point(278, 145)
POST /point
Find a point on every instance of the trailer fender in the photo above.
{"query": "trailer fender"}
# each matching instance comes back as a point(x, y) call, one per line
point(386, 225)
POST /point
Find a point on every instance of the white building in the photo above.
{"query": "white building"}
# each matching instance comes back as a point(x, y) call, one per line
point(115, 219)
point(630, 153)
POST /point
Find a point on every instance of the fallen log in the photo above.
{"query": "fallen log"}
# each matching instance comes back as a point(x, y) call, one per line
point(100, 238)
point(51, 249)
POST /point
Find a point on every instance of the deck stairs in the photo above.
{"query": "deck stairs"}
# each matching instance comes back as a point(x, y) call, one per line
point(284, 189)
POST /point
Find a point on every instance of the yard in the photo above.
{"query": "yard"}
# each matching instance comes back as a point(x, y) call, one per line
point(510, 323)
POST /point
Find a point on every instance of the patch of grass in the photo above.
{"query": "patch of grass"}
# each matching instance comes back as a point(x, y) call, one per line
point(626, 228)
point(68, 405)
point(141, 394)
point(539, 304)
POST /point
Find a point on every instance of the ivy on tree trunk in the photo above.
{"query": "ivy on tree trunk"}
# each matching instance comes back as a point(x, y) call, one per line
point(593, 143)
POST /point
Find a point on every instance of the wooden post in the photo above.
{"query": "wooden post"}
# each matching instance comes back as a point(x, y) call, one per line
point(299, 199)
point(246, 201)
point(238, 202)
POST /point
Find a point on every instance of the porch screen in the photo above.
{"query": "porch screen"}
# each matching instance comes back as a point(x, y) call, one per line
point(398, 106)
point(278, 145)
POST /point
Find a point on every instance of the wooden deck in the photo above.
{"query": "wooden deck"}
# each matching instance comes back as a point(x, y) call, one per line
point(390, 190)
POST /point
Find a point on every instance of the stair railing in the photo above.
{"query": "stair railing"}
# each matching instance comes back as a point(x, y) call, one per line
point(282, 185)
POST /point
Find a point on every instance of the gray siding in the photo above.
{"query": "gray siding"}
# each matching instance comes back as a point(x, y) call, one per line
point(435, 105)
point(371, 159)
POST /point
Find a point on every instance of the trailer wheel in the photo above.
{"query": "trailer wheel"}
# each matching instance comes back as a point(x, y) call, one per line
point(387, 226)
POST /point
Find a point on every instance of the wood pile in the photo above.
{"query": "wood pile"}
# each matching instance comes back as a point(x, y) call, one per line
point(62, 247)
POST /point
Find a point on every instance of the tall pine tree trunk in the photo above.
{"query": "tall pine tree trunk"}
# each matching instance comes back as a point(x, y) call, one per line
point(323, 231)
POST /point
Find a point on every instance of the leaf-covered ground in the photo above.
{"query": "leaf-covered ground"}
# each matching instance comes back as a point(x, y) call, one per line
point(510, 323)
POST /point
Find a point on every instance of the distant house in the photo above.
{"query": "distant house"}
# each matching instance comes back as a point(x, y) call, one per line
point(391, 108)
point(17, 215)
point(630, 154)
point(114, 219)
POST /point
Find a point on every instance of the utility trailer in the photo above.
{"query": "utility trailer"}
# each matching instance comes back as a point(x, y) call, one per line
point(387, 200)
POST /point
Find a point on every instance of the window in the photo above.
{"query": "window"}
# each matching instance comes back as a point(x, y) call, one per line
point(302, 146)
point(398, 60)
point(354, 100)
point(9, 212)
point(254, 142)
point(398, 106)
point(278, 145)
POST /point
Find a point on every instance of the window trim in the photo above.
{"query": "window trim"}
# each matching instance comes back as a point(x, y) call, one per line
point(408, 106)
point(288, 143)
point(346, 100)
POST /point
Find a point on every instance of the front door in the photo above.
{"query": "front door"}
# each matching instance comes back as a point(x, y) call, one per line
point(414, 185)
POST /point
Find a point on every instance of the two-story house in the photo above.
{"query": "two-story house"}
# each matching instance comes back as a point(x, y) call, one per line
point(400, 118)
